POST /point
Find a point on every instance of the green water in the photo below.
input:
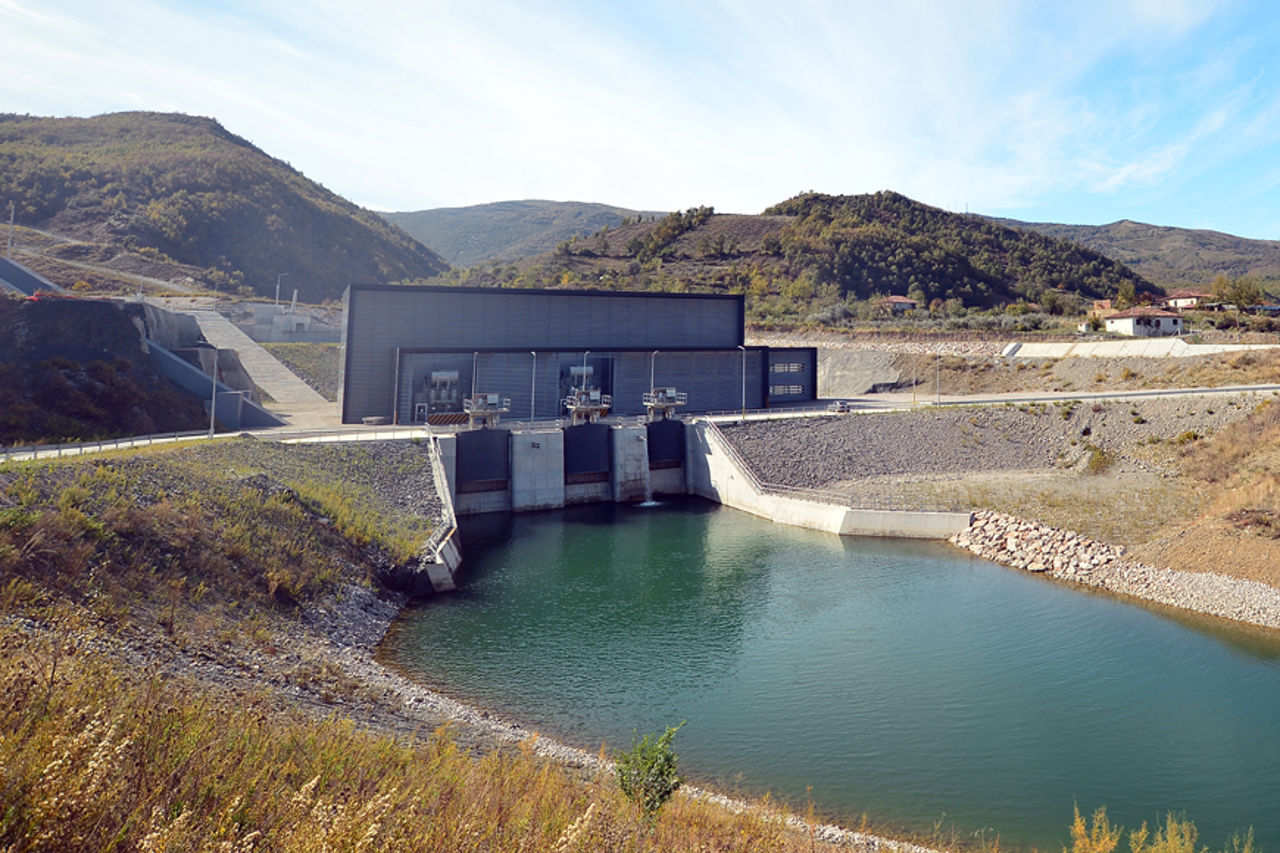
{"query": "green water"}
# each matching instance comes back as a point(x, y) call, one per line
point(903, 680)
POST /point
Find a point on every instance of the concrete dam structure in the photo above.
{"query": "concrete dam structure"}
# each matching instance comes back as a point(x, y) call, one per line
point(533, 468)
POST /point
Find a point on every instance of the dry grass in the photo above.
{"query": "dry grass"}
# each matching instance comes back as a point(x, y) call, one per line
point(316, 364)
point(96, 758)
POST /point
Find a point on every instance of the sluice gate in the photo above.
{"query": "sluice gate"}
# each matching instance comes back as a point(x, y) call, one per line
point(532, 468)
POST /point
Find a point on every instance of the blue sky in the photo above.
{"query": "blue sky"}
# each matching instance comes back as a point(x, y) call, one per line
point(1162, 111)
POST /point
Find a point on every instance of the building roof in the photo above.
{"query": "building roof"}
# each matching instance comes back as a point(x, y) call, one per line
point(898, 300)
point(1189, 293)
point(1143, 311)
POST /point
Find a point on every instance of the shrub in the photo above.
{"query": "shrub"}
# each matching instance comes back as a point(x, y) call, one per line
point(647, 772)
point(1099, 460)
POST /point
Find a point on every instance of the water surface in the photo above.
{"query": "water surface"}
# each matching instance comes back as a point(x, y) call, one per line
point(904, 680)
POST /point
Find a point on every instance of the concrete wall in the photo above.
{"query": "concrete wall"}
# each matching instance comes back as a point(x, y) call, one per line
point(667, 481)
point(537, 469)
point(630, 475)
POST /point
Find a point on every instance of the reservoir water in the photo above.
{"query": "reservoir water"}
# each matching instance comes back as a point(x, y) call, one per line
point(902, 680)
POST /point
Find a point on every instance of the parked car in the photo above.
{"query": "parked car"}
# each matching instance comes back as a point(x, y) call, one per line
point(837, 406)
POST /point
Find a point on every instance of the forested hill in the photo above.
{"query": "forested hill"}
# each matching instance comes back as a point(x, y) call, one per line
point(823, 257)
point(185, 187)
point(507, 230)
point(1172, 257)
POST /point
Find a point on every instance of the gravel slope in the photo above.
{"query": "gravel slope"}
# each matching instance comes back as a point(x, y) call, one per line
point(823, 452)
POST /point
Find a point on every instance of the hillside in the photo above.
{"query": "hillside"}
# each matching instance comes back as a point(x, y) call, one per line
point(825, 259)
point(1171, 257)
point(72, 370)
point(507, 230)
point(182, 188)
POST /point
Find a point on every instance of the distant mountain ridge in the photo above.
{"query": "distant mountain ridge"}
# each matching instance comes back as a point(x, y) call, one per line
point(1169, 256)
point(185, 188)
point(508, 230)
point(823, 258)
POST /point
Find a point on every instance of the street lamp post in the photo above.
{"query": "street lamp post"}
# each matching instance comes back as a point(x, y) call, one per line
point(744, 382)
point(278, 277)
point(213, 394)
point(475, 368)
point(584, 369)
point(653, 357)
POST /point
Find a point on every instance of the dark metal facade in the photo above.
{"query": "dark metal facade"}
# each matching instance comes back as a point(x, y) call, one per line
point(525, 345)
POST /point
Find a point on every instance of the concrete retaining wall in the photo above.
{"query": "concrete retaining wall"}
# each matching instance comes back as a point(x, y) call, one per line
point(630, 475)
point(537, 469)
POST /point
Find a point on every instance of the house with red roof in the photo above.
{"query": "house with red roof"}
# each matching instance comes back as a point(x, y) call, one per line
point(898, 304)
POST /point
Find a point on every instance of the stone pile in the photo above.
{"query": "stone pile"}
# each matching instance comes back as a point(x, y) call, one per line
point(1035, 547)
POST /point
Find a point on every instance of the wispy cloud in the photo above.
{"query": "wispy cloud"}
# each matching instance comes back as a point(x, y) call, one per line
point(996, 103)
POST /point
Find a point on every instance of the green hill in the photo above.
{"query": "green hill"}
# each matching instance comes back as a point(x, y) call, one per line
point(507, 230)
point(184, 188)
point(824, 258)
point(1172, 257)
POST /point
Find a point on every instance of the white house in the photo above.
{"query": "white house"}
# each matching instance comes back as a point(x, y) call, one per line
point(1187, 297)
point(1145, 322)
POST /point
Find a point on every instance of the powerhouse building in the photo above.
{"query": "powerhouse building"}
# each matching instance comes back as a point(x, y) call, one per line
point(414, 354)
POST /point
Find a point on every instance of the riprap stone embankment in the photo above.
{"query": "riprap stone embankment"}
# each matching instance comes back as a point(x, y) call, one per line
point(1063, 554)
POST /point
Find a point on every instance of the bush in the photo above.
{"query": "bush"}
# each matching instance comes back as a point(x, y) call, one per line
point(647, 772)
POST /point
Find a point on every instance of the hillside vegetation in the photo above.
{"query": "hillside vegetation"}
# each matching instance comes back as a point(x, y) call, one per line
point(73, 370)
point(1172, 257)
point(507, 230)
point(826, 259)
point(182, 188)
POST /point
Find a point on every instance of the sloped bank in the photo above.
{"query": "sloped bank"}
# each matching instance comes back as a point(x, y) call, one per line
point(1066, 555)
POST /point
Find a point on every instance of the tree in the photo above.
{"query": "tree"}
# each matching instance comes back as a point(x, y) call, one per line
point(1241, 291)
point(647, 772)
point(1125, 295)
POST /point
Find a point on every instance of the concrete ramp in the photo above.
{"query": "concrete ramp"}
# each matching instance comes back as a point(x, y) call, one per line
point(265, 370)
point(1132, 348)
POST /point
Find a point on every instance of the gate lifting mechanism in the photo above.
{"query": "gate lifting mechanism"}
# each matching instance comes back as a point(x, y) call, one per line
point(488, 409)
point(661, 402)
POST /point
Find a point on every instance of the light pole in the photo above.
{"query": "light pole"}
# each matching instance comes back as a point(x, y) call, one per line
point(584, 369)
point(938, 381)
point(533, 388)
point(278, 277)
point(653, 357)
point(744, 382)
point(475, 368)
point(213, 377)
point(11, 209)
